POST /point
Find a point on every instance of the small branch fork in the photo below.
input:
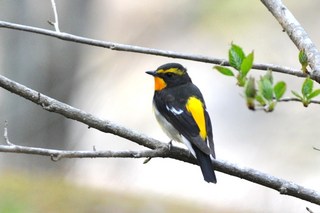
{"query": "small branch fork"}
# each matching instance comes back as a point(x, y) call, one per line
point(56, 155)
point(296, 33)
point(5, 134)
point(56, 19)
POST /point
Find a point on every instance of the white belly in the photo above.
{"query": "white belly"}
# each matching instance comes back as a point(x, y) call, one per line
point(171, 132)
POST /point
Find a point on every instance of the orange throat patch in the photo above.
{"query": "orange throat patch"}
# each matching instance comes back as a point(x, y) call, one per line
point(159, 84)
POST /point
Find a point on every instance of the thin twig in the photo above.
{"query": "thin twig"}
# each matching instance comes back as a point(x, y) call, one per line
point(56, 155)
point(56, 19)
point(296, 33)
point(297, 100)
point(5, 134)
point(309, 210)
point(145, 50)
point(315, 148)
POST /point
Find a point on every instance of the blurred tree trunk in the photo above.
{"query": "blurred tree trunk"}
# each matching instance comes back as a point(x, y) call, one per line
point(44, 64)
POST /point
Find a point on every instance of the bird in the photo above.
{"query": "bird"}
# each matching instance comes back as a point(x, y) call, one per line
point(181, 111)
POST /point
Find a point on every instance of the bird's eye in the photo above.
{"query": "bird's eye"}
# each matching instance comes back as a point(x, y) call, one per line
point(169, 74)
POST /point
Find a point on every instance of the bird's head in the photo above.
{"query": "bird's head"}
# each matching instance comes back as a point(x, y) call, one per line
point(169, 75)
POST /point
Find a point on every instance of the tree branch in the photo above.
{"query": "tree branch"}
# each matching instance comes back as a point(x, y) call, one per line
point(60, 154)
point(55, 23)
point(297, 100)
point(296, 33)
point(5, 134)
point(315, 148)
point(145, 50)
point(159, 149)
point(309, 210)
point(53, 105)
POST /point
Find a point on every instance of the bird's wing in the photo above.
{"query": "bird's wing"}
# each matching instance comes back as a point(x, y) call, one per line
point(210, 134)
point(190, 120)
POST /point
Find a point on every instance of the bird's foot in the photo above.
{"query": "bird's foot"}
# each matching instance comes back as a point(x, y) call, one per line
point(170, 145)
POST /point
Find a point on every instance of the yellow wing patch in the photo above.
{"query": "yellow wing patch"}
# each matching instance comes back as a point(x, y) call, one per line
point(172, 70)
point(195, 107)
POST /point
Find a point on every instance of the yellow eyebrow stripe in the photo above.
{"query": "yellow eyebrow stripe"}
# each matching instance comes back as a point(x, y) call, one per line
point(195, 107)
point(171, 70)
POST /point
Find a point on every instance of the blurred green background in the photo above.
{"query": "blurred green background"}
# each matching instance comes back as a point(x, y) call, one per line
point(113, 86)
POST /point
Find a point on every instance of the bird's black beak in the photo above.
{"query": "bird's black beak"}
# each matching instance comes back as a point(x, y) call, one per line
point(153, 73)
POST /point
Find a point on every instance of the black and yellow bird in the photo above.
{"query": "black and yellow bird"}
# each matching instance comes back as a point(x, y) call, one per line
point(181, 112)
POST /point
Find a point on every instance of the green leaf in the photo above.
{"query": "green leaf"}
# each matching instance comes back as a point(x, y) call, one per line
point(307, 87)
point(279, 89)
point(269, 76)
point(313, 94)
point(297, 95)
point(261, 100)
point(236, 56)
point(305, 103)
point(265, 87)
point(241, 80)
point(250, 88)
point(246, 64)
point(224, 70)
point(250, 92)
point(303, 59)
point(271, 106)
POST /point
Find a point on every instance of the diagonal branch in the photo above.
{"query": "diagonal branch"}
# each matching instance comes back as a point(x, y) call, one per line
point(68, 111)
point(159, 149)
point(296, 33)
point(145, 50)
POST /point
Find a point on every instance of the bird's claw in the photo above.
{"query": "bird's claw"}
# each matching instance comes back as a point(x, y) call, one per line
point(170, 145)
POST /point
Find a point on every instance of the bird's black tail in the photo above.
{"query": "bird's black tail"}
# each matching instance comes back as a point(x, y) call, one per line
point(206, 166)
